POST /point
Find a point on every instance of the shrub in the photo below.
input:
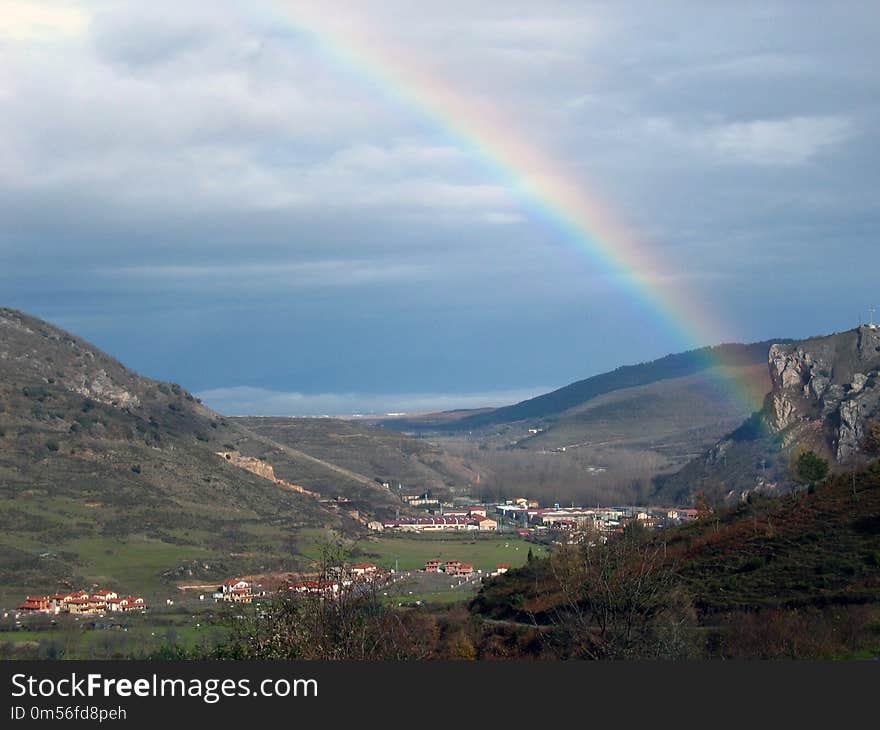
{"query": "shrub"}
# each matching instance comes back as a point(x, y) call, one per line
point(811, 468)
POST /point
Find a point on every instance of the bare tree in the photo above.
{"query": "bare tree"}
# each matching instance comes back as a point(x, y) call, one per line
point(335, 616)
point(619, 600)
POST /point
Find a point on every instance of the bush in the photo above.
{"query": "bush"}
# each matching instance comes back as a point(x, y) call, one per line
point(52, 445)
point(811, 468)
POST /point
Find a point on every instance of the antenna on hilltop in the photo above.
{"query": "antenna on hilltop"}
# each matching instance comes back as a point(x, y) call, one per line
point(873, 310)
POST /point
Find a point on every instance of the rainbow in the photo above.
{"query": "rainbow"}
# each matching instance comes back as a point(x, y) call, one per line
point(575, 213)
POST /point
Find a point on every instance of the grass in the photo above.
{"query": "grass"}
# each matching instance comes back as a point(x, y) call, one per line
point(137, 563)
point(412, 552)
point(128, 636)
point(431, 588)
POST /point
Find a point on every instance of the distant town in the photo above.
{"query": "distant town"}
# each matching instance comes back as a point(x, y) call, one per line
point(526, 517)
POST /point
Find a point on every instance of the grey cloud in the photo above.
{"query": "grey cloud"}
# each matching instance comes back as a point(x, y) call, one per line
point(164, 147)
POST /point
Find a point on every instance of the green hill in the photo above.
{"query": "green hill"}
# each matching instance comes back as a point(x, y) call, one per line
point(106, 476)
point(550, 405)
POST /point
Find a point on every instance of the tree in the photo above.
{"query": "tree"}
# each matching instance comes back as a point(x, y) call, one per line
point(348, 622)
point(811, 468)
point(619, 600)
point(872, 437)
point(704, 509)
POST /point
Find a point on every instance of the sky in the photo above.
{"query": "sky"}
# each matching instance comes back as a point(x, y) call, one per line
point(288, 210)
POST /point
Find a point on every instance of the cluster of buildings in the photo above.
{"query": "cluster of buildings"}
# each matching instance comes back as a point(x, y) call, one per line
point(82, 603)
point(451, 567)
point(339, 579)
point(456, 567)
point(474, 518)
point(604, 520)
point(526, 516)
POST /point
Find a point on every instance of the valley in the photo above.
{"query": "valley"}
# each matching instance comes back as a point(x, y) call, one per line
point(112, 480)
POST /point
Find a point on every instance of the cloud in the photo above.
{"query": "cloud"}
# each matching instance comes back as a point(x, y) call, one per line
point(790, 141)
point(201, 162)
point(244, 400)
point(135, 39)
point(765, 142)
point(338, 273)
point(503, 219)
point(25, 21)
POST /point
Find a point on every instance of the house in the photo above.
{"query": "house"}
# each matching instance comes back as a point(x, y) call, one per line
point(430, 524)
point(363, 570)
point(236, 585)
point(305, 586)
point(432, 566)
point(236, 590)
point(501, 568)
point(326, 589)
point(127, 604)
point(100, 599)
point(456, 567)
point(36, 604)
point(81, 607)
point(486, 524)
point(478, 511)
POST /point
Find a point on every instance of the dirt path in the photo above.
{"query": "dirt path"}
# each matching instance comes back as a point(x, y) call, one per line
point(297, 454)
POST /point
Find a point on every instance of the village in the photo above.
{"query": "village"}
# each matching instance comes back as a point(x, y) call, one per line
point(527, 518)
point(521, 517)
point(83, 603)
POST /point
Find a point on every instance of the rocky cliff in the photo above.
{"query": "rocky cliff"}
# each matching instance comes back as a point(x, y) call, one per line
point(827, 386)
point(824, 396)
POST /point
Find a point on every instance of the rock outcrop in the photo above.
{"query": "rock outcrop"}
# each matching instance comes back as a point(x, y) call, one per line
point(264, 470)
point(828, 385)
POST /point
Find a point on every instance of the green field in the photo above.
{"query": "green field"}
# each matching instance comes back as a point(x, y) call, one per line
point(128, 636)
point(411, 552)
point(431, 588)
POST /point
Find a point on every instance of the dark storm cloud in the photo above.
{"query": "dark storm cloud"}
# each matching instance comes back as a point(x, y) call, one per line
point(169, 176)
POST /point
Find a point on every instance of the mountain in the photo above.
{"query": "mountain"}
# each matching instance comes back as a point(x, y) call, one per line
point(108, 476)
point(550, 405)
point(606, 438)
point(824, 397)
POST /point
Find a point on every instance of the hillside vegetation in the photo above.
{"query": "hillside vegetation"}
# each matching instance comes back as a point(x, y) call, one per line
point(375, 454)
point(787, 576)
point(104, 473)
